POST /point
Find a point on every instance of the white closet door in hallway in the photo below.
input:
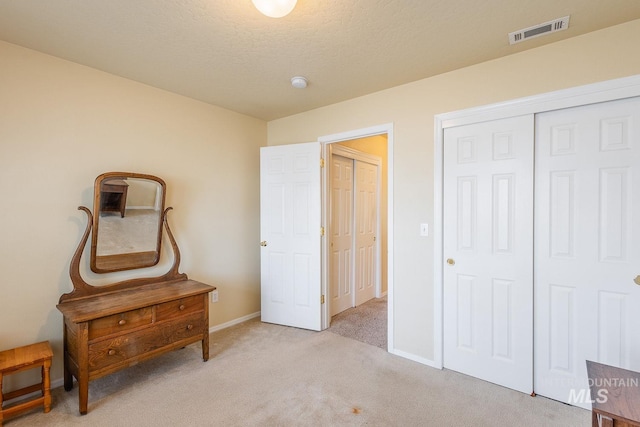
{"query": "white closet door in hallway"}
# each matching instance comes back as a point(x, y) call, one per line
point(587, 244)
point(488, 245)
point(366, 227)
point(353, 229)
point(341, 229)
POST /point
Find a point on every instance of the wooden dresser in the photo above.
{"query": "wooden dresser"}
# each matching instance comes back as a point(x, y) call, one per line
point(111, 327)
point(615, 396)
point(109, 332)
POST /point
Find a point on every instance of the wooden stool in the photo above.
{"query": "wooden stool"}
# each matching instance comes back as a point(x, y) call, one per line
point(20, 359)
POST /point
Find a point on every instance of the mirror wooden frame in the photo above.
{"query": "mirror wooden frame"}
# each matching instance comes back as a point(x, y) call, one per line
point(111, 327)
point(126, 260)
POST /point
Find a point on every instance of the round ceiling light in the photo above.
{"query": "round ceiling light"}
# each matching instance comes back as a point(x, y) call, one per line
point(299, 82)
point(275, 8)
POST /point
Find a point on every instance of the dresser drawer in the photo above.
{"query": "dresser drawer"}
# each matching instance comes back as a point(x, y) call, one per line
point(120, 322)
point(127, 347)
point(180, 307)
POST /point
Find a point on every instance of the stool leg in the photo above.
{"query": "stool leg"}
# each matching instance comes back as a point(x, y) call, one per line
point(46, 385)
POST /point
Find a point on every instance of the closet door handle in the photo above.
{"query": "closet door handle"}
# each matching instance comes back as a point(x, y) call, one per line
point(263, 243)
point(450, 261)
point(637, 280)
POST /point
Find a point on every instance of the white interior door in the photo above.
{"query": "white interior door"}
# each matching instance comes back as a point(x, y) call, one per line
point(587, 245)
point(290, 221)
point(488, 241)
point(366, 226)
point(341, 230)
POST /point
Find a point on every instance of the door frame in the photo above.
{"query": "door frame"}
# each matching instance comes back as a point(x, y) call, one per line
point(325, 142)
point(610, 90)
point(356, 156)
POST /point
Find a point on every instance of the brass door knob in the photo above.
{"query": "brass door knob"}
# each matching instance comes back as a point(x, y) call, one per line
point(637, 280)
point(263, 243)
point(450, 261)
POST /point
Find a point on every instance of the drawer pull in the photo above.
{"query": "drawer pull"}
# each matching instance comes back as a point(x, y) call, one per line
point(111, 352)
point(122, 322)
point(189, 327)
point(181, 307)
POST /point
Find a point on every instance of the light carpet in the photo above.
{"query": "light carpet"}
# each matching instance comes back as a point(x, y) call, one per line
point(136, 232)
point(366, 322)
point(267, 375)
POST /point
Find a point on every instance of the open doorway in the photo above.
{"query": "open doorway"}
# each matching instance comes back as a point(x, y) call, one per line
point(357, 238)
point(293, 228)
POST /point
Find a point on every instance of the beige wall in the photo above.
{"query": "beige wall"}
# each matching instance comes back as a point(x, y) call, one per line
point(61, 125)
point(141, 193)
point(602, 55)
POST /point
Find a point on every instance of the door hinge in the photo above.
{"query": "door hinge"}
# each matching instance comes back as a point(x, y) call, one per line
point(322, 231)
point(321, 162)
point(321, 299)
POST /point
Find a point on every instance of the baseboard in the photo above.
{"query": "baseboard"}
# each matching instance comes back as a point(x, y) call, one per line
point(56, 383)
point(234, 322)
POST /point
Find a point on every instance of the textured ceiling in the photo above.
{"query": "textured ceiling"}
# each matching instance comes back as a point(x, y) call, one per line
point(226, 53)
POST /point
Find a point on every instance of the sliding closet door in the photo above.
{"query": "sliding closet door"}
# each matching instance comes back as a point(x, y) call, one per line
point(341, 252)
point(587, 245)
point(353, 227)
point(366, 226)
point(488, 248)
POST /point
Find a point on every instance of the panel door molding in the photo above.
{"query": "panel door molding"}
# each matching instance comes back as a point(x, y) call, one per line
point(488, 247)
point(587, 252)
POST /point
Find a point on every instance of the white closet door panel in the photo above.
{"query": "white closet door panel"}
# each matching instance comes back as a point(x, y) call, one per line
point(587, 252)
point(366, 178)
point(488, 236)
point(342, 237)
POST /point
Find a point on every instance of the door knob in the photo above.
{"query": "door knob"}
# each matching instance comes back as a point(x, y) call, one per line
point(263, 243)
point(450, 261)
point(637, 280)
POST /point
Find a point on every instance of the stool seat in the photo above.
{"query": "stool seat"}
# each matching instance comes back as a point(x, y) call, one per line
point(21, 359)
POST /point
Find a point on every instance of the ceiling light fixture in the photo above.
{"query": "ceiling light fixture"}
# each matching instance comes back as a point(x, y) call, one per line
point(275, 8)
point(299, 82)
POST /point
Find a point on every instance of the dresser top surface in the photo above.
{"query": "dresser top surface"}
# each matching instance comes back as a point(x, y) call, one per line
point(96, 306)
point(614, 391)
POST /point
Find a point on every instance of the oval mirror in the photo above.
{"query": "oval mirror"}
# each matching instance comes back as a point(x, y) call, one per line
point(127, 221)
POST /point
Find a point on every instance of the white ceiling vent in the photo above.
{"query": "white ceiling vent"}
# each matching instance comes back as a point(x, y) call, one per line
point(539, 30)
